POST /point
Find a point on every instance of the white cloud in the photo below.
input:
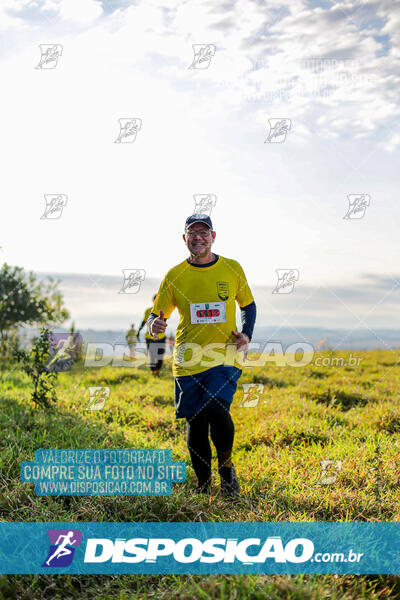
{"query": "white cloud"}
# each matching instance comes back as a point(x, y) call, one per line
point(393, 142)
point(200, 133)
point(80, 11)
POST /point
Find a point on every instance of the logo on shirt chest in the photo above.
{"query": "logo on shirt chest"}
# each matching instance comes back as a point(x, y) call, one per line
point(223, 290)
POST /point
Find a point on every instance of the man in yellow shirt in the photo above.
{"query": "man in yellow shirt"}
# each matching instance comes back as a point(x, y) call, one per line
point(131, 340)
point(155, 347)
point(205, 288)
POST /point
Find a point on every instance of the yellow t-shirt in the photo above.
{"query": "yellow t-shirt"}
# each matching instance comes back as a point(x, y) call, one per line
point(131, 336)
point(205, 298)
point(146, 315)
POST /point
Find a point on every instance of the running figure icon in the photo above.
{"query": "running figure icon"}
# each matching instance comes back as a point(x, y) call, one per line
point(62, 549)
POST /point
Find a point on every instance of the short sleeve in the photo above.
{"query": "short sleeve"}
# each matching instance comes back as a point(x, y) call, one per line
point(243, 292)
point(165, 299)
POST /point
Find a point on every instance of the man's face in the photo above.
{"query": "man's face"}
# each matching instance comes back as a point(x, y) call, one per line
point(199, 239)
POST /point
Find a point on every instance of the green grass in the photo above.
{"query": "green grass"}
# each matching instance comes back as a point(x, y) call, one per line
point(306, 415)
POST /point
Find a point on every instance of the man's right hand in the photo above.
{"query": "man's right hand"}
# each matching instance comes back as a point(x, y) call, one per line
point(159, 325)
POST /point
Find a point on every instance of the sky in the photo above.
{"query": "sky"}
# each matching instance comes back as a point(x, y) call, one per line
point(329, 71)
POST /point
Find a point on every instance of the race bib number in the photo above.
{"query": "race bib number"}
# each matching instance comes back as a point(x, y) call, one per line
point(208, 312)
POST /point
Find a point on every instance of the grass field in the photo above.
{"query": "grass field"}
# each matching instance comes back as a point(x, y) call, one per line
point(306, 415)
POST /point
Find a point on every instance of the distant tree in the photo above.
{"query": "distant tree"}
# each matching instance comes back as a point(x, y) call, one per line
point(26, 301)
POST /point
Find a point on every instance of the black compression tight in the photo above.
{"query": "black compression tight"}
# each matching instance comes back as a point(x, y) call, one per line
point(216, 416)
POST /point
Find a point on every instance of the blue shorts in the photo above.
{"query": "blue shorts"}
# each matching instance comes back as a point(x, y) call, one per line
point(193, 392)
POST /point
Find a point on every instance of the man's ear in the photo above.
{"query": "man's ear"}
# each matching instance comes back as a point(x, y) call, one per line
point(184, 237)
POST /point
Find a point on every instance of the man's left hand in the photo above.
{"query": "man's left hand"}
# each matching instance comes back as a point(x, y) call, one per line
point(242, 342)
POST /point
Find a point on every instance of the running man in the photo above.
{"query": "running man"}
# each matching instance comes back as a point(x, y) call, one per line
point(155, 347)
point(204, 288)
point(131, 340)
point(62, 549)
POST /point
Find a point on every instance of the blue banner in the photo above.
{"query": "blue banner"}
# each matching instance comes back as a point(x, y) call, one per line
point(183, 548)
